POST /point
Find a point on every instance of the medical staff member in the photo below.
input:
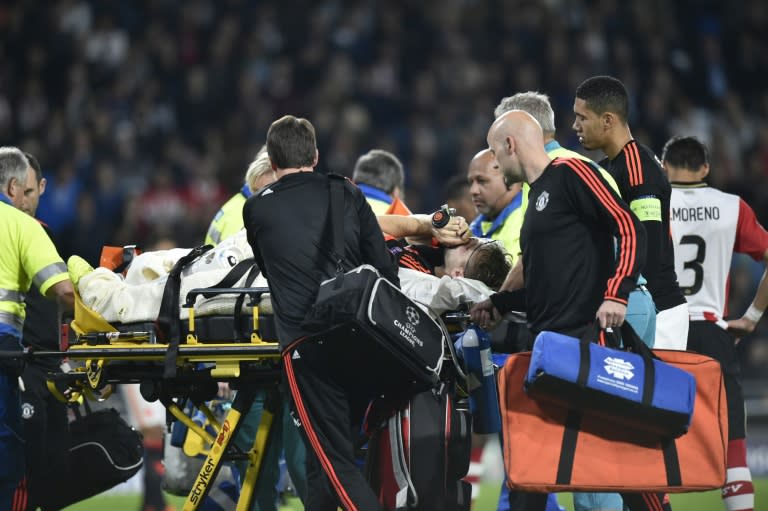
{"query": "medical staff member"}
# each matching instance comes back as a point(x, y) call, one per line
point(28, 257)
point(229, 219)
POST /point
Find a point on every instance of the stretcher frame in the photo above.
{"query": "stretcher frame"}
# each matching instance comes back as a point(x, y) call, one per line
point(247, 366)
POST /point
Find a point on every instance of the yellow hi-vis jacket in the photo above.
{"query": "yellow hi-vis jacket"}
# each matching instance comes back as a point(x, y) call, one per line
point(27, 256)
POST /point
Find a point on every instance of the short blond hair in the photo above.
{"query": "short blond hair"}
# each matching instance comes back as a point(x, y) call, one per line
point(257, 168)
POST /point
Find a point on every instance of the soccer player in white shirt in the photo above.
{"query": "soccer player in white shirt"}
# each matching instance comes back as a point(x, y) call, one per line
point(708, 226)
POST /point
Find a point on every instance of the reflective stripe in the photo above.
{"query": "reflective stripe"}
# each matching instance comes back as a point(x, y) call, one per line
point(12, 319)
point(7, 295)
point(49, 271)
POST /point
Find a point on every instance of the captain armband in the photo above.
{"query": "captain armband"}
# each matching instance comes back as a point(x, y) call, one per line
point(647, 208)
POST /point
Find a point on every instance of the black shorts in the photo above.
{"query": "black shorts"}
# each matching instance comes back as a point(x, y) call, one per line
point(709, 339)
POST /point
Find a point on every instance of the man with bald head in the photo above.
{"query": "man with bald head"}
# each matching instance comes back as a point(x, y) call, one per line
point(499, 202)
point(573, 276)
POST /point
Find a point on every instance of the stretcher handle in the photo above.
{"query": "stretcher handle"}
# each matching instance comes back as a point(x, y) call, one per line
point(254, 293)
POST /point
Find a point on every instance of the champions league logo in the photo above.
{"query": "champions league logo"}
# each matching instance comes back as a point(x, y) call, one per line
point(412, 316)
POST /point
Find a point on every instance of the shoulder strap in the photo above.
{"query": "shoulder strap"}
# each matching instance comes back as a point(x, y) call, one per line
point(337, 221)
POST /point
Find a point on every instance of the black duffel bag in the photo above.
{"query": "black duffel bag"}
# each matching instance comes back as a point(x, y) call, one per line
point(381, 338)
point(377, 333)
point(104, 451)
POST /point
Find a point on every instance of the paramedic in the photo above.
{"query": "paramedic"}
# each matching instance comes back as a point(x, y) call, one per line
point(380, 176)
point(569, 282)
point(45, 417)
point(286, 226)
point(28, 257)
point(500, 203)
point(708, 227)
point(601, 108)
point(229, 219)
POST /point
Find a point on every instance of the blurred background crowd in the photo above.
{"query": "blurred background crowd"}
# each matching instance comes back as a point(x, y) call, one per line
point(145, 113)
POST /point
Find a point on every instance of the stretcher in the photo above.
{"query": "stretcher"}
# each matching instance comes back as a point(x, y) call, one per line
point(248, 363)
point(241, 350)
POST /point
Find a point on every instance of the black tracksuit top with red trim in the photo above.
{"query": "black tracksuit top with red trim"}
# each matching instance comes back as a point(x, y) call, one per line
point(570, 261)
point(638, 173)
point(288, 229)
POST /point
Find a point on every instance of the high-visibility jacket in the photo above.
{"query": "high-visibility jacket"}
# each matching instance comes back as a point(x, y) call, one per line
point(381, 202)
point(229, 219)
point(27, 257)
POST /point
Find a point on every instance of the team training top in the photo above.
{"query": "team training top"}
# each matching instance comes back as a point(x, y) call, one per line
point(646, 189)
point(287, 229)
point(569, 258)
point(28, 257)
point(708, 226)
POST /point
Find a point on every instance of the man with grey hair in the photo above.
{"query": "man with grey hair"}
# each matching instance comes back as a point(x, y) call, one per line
point(380, 176)
point(229, 219)
point(28, 257)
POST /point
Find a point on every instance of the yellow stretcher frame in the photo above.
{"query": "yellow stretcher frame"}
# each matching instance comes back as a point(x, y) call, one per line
point(249, 366)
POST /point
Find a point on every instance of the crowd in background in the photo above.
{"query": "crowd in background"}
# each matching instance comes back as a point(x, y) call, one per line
point(145, 113)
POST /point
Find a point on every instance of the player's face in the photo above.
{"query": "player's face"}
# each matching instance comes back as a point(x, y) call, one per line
point(486, 186)
point(456, 258)
point(587, 125)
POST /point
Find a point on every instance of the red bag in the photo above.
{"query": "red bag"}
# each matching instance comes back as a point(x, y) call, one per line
point(549, 448)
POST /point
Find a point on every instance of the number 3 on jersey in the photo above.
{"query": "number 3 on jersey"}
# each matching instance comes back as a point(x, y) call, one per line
point(694, 264)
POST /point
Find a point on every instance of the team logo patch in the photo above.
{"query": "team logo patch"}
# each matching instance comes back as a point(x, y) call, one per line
point(542, 201)
point(27, 410)
point(412, 315)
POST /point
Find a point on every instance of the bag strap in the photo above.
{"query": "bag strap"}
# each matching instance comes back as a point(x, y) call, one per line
point(336, 196)
point(569, 441)
point(168, 319)
point(234, 275)
point(238, 313)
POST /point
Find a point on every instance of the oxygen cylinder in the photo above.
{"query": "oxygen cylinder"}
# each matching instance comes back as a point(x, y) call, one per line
point(483, 398)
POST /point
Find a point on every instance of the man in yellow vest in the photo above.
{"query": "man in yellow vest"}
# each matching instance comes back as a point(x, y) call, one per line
point(27, 257)
point(500, 203)
point(229, 218)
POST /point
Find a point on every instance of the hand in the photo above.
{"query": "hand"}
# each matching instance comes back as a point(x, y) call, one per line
point(485, 315)
point(741, 327)
point(455, 232)
point(611, 314)
point(224, 391)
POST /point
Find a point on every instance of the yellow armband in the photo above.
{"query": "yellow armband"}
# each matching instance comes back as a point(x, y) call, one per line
point(647, 209)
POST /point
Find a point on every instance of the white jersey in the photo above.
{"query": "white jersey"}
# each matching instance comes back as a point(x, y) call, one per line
point(707, 227)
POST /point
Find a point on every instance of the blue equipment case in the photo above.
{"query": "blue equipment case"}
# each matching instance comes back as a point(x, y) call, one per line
point(635, 390)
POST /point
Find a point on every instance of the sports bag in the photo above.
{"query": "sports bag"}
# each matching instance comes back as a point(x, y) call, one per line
point(630, 388)
point(386, 328)
point(104, 451)
point(549, 447)
point(417, 459)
